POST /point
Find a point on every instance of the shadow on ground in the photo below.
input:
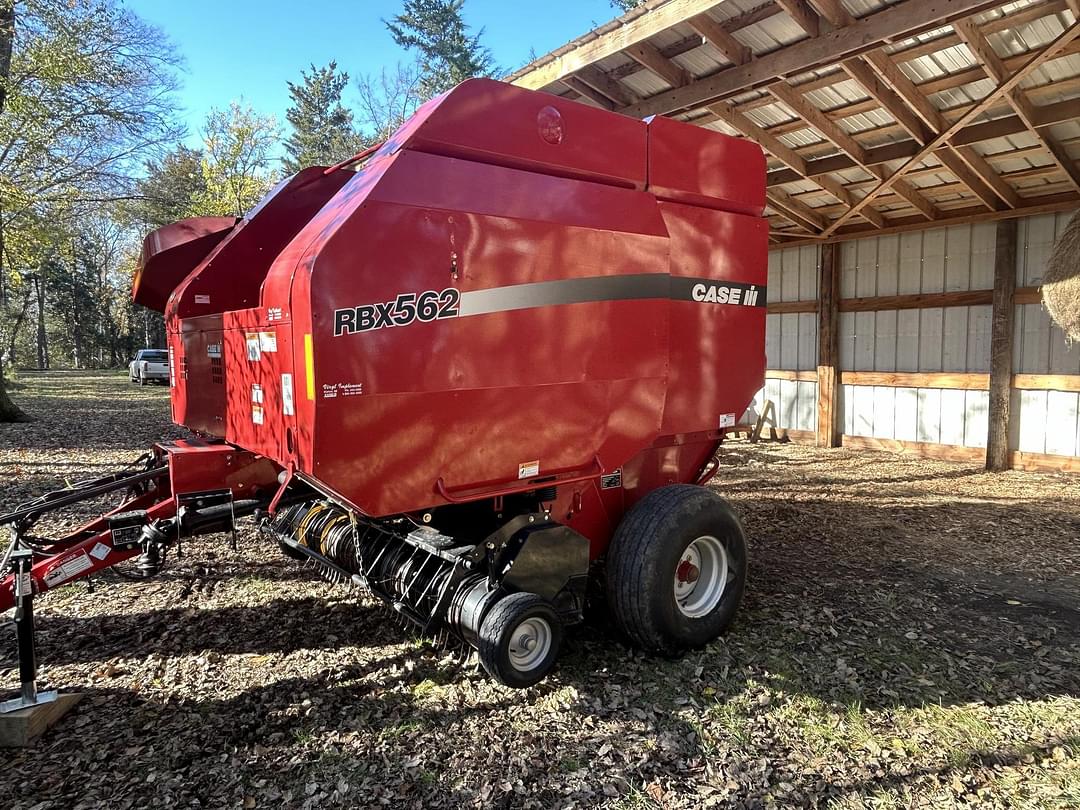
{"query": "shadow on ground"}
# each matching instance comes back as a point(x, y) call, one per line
point(908, 628)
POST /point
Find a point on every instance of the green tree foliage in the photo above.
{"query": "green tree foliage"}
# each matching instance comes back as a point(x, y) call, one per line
point(73, 299)
point(449, 54)
point(86, 96)
point(236, 163)
point(171, 188)
point(322, 128)
point(626, 5)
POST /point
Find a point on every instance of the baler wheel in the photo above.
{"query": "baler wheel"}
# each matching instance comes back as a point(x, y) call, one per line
point(676, 569)
point(519, 639)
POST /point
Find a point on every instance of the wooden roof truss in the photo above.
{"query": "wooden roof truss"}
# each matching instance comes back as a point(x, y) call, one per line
point(875, 117)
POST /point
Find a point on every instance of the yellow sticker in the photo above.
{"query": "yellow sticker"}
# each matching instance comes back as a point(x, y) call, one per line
point(309, 366)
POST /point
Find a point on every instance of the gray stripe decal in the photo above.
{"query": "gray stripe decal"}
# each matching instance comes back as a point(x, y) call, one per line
point(432, 305)
point(586, 290)
point(566, 291)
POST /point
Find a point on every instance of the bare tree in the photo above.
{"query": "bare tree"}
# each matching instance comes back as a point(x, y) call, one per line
point(236, 164)
point(387, 99)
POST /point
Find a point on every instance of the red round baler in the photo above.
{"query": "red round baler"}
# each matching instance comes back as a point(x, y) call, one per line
point(482, 371)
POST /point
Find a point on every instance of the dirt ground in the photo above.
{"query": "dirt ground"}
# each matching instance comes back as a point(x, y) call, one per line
point(910, 638)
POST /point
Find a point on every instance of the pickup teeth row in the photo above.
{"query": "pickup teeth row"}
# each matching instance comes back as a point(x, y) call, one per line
point(442, 639)
point(416, 582)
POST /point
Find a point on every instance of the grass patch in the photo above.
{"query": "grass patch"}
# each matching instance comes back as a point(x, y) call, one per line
point(400, 729)
point(729, 719)
point(570, 764)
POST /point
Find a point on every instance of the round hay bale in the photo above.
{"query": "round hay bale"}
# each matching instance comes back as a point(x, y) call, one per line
point(1061, 281)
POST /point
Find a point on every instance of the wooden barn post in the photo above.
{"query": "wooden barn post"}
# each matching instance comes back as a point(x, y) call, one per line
point(828, 371)
point(1001, 346)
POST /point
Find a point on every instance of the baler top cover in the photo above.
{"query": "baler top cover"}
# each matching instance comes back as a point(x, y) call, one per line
point(515, 290)
point(169, 253)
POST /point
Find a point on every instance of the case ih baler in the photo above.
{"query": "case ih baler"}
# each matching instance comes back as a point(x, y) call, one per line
point(481, 371)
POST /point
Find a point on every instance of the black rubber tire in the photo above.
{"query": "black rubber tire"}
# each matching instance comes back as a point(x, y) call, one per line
point(643, 557)
point(496, 633)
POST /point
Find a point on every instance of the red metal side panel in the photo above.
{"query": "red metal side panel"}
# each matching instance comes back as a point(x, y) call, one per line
point(471, 398)
point(261, 402)
point(286, 291)
point(695, 165)
point(198, 374)
point(197, 467)
point(230, 277)
point(494, 122)
point(717, 349)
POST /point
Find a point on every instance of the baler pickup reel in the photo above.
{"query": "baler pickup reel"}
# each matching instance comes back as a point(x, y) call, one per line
point(448, 587)
point(508, 595)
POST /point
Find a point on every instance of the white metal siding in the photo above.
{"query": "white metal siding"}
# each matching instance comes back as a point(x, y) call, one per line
point(1043, 421)
point(791, 338)
point(953, 339)
point(950, 259)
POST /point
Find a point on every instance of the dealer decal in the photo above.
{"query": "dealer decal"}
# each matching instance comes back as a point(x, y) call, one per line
point(432, 305)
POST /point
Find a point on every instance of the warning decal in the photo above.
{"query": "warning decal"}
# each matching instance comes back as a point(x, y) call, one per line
point(68, 568)
point(288, 407)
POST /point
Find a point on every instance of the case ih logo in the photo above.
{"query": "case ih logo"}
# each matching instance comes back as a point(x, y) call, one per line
point(725, 294)
point(429, 305)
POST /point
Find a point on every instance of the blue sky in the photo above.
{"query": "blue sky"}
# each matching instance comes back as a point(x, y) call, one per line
point(250, 48)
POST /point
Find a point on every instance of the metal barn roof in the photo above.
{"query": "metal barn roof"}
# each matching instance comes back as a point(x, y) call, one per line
point(876, 116)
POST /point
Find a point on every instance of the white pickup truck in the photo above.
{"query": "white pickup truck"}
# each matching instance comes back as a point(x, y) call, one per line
point(148, 365)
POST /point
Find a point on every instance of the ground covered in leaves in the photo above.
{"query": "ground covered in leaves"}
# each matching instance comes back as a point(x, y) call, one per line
point(910, 638)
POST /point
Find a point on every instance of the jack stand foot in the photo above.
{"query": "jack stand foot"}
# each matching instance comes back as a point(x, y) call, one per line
point(21, 727)
point(27, 700)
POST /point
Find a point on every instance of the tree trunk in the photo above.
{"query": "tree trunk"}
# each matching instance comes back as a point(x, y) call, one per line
point(42, 336)
point(78, 342)
point(9, 412)
point(18, 324)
